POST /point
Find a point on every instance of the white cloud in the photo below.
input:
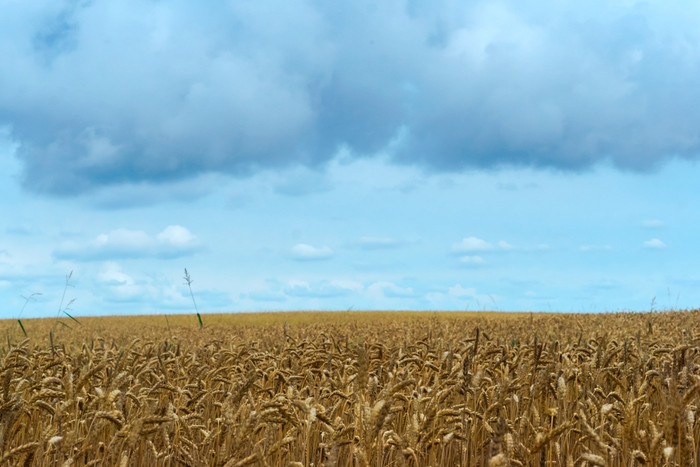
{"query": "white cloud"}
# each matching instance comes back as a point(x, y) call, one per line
point(478, 245)
point(654, 243)
point(652, 223)
point(123, 239)
point(459, 291)
point(505, 245)
point(177, 236)
point(471, 244)
point(117, 286)
point(385, 289)
point(304, 252)
point(173, 242)
point(112, 274)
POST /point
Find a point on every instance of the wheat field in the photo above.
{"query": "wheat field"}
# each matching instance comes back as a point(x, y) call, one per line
point(353, 389)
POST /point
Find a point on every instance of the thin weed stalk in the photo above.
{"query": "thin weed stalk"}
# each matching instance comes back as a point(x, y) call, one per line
point(188, 280)
point(26, 301)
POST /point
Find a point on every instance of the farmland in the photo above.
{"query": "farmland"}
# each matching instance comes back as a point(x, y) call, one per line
point(353, 388)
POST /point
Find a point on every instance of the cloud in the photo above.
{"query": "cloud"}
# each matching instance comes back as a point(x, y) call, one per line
point(140, 194)
point(376, 243)
point(321, 289)
point(652, 223)
point(177, 237)
point(654, 243)
point(505, 245)
point(302, 181)
point(474, 244)
point(173, 242)
point(304, 252)
point(474, 260)
point(471, 244)
point(385, 289)
point(458, 291)
point(119, 287)
point(97, 94)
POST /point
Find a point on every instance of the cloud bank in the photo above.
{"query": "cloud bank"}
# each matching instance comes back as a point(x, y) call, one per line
point(471, 244)
point(304, 252)
point(106, 93)
point(655, 244)
point(173, 242)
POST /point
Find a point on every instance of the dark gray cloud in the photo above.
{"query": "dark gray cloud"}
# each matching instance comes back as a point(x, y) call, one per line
point(106, 93)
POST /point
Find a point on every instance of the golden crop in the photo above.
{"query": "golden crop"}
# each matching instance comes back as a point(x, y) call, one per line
point(362, 389)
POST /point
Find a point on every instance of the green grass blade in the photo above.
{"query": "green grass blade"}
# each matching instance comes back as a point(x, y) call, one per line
point(64, 325)
point(71, 317)
point(199, 317)
point(22, 326)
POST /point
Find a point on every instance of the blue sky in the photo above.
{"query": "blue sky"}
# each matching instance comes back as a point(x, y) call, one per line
point(486, 155)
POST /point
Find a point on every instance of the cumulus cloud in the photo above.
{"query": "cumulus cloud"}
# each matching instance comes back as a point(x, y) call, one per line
point(173, 242)
point(470, 244)
point(654, 243)
point(105, 93)
point(177, 237)
point(304, 252)
point(474, 260)
point(118, 286)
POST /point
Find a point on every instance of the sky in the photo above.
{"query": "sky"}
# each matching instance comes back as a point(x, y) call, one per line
point(401, 155)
